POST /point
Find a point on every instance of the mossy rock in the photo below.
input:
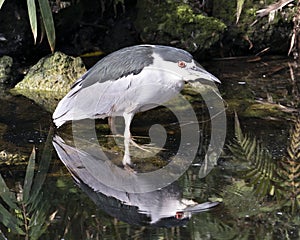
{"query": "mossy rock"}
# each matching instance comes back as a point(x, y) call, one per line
point(46, 99)
point(267, 110)
point(56, 72)
point(168, 22)
point(253, 109)
point(50, 79)
point(6, 63)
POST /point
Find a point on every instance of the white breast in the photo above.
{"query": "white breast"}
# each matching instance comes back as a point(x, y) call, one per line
point(147, 90)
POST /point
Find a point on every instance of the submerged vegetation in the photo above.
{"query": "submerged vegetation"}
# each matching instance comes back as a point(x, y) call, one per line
point(289, 170)
point(278, 180)
point(260, 168)
point(258, 194)
point(25, 211)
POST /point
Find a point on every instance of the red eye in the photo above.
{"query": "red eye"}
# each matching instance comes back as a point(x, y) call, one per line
point(181, 64)
point(179, 215)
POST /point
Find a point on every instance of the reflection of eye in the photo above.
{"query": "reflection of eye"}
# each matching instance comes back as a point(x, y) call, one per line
point(179, 215)
point(181, 64)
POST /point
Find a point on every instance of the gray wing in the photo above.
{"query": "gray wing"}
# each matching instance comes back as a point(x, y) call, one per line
point(130, 60)
point(95, 101)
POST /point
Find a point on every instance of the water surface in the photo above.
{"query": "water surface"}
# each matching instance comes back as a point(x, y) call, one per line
point(253, 204)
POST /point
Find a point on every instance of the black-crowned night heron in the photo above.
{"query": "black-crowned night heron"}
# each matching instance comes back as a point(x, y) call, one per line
point(131, 80)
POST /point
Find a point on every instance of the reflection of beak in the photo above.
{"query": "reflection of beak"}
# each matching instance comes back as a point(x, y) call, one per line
point(200, 73)
point(197, 208)
point(200, 207)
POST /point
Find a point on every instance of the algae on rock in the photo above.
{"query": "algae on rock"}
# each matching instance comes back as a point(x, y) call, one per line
point(176, 22)
point(6, 63)
point(50, 79)
point(56, 72)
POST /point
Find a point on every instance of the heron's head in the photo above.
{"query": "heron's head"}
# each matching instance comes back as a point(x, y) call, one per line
point(181, 63)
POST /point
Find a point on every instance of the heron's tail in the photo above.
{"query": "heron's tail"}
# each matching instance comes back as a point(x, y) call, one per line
point(62, 112)
point(81, 103)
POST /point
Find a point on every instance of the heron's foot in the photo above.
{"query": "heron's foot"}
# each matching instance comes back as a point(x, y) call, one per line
point(126, 159)
point(127, 163)
point(145, 147)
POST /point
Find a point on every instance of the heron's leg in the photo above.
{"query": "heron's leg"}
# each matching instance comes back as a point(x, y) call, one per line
point(127, 138)
point(113, 128)
point(111, 124)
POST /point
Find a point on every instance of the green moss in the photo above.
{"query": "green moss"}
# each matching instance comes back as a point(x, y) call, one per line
point(262, 34)
point(185, 13)
point(225, 10)
point(238, 105)
point(265, 110)
point(50, 79)
point(175, 21)
point(6, 63)
point(56, 72)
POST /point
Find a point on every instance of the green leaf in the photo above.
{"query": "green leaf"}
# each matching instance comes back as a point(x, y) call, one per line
point(261, 174)
point(38, 224)
point(36, 200)
point(32, 17)
point(29, 176)
point(239, 8)
point(10, 221)
point(43, 168)
point(237, 128)
point(7, 196)
point(1, 3)
point(48, 22)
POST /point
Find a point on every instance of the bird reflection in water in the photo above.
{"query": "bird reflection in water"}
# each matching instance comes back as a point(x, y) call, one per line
point(163, 207)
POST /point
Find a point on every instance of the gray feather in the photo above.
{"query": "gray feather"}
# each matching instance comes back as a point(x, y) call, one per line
point(80, 105)
point(130, 60)
point(172, 54)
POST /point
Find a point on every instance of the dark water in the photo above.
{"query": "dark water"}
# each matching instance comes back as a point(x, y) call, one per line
point(251, 203)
